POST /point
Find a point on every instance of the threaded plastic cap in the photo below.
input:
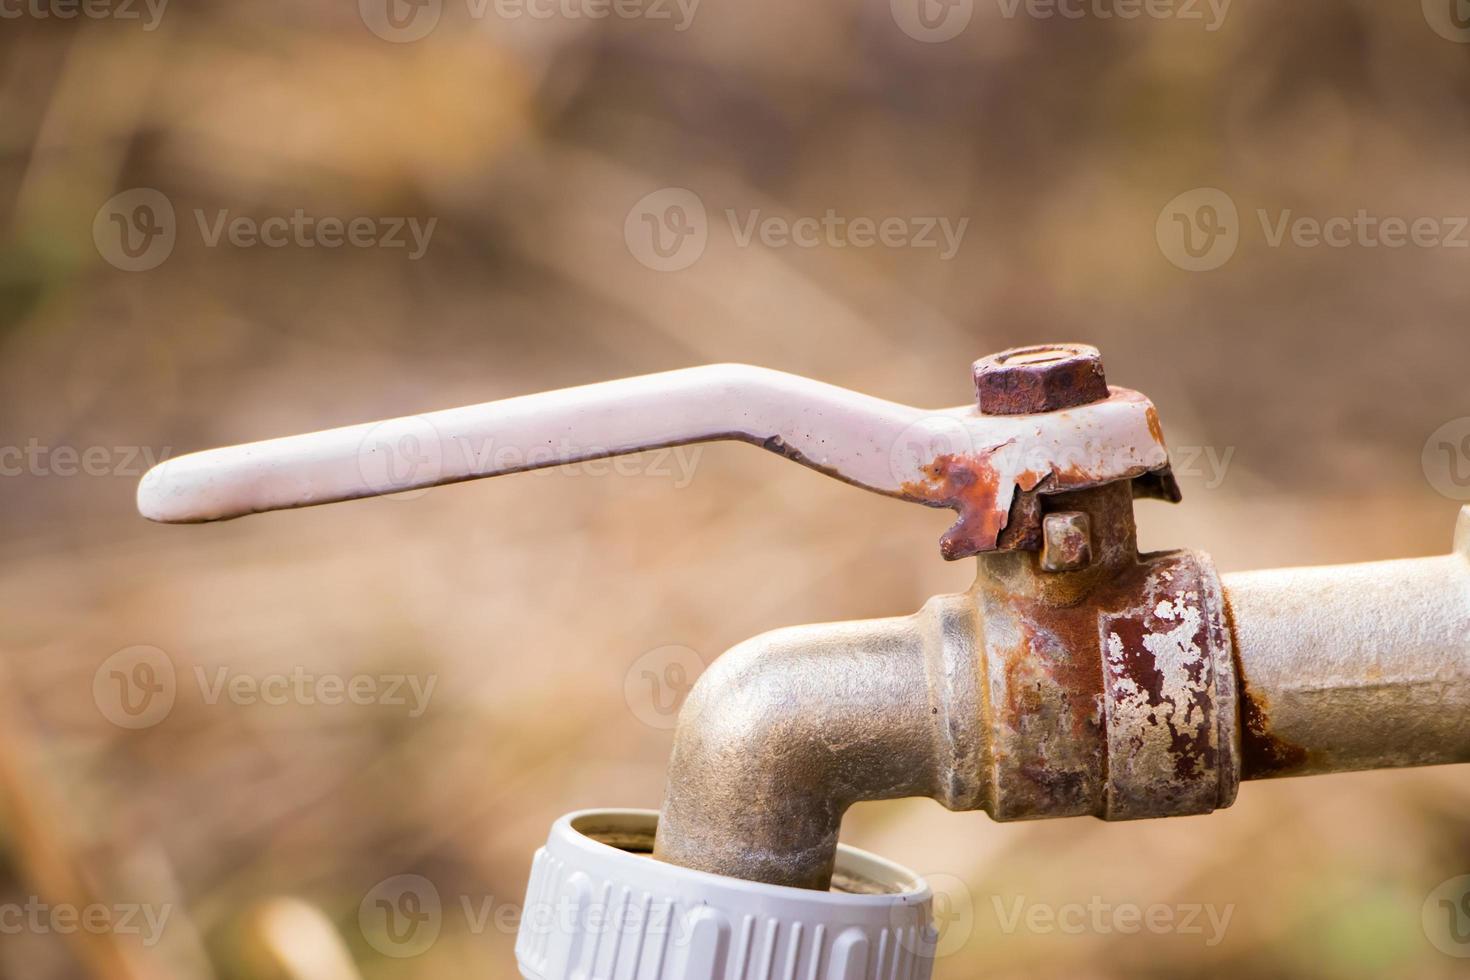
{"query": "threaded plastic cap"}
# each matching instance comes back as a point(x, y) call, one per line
point(598, 907)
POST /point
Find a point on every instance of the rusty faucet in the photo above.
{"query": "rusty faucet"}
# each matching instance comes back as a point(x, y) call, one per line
point(1076, 676)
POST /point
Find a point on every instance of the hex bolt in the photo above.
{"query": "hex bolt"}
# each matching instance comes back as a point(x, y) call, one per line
point(1066, 541)
point(1044, 378)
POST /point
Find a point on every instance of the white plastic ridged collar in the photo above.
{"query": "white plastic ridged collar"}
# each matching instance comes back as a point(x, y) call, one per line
point(598, 907)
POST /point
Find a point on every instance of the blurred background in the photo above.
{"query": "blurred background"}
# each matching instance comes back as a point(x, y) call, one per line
point(576, 197)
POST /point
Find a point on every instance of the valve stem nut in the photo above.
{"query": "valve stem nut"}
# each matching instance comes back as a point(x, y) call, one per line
point(1066, 541)
point(1043, 378)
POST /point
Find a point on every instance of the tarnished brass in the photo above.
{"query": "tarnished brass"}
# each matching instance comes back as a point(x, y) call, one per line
point(1125, 689)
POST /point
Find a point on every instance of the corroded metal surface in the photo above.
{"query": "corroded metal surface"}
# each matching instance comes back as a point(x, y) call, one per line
point(1110, 688)
point(1170, 694)
point(1075, 677)
point(1066, 542)
point(1127, 688)
point(1354, 666)
point(1042, 378)
point(982, 466)
point(786, 731)
point(1057, 453)
point(1106, 690)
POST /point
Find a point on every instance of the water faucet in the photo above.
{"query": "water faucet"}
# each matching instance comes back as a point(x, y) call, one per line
point(1075, 677)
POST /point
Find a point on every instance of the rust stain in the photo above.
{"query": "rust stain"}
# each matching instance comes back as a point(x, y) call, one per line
point(1154, 428)
point(1051, 721)
point(1042, 378)
point(1190, 725)
point(970, 485)
point(1263, 753)
point(1163, 722)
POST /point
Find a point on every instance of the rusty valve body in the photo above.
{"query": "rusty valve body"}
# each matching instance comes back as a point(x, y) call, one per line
point(1137, 686)
point(1106, 689)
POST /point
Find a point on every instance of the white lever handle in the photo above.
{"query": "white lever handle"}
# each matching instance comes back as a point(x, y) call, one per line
point(954, 458)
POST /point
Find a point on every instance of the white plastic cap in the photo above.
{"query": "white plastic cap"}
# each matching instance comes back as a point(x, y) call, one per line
point(598, 907)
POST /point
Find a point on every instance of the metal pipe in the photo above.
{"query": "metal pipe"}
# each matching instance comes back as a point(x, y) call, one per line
point(1354, 666)
point(787, 730)
point(1129, 687)
point(1105, 689)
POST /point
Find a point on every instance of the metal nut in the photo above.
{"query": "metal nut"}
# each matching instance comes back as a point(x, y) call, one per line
point(1044, 378)
point(1066, 541)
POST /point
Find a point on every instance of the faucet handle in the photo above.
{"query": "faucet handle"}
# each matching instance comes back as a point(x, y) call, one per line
point(960, 458)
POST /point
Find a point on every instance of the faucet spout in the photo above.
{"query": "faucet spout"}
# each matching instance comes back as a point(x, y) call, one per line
point(787, 730)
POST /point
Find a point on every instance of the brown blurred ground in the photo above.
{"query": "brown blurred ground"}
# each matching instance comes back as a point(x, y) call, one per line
point(1323, 370)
